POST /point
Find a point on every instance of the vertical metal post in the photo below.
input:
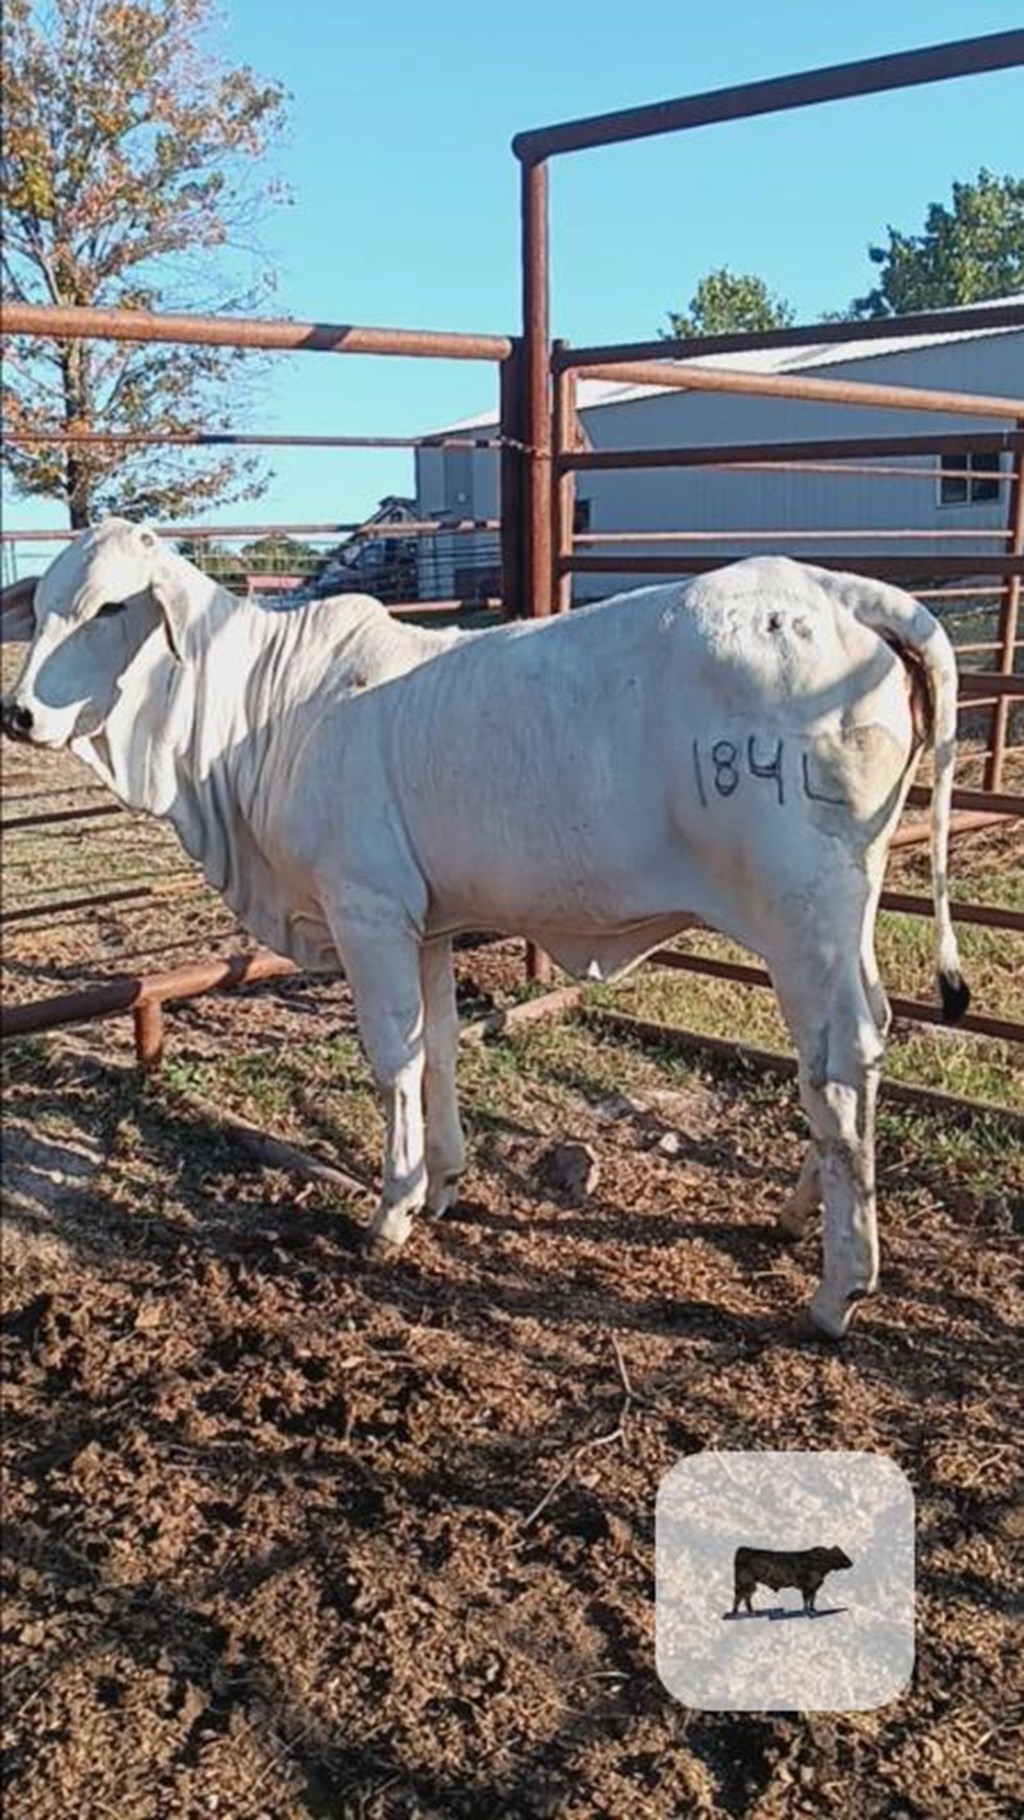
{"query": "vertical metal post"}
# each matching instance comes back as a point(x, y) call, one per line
point(148, 1019)
point(1009, 614)
point(513, 518)
point(564, 439)
point(537, 427)
point(537, 363)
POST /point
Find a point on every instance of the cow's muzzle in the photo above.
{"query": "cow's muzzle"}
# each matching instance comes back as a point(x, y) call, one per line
point(17, 721)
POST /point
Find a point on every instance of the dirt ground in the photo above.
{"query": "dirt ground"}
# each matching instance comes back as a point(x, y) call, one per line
point(279, 1538)
point(290, 1536)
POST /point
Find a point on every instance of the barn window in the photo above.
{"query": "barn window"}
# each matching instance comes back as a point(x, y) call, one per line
point(969, 479)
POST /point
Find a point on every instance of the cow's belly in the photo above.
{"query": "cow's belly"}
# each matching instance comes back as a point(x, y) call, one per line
point(599, 953)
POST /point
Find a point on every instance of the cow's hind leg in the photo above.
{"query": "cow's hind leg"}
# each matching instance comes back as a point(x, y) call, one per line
point(445, 1146)
point(840, 1051)
point(795, 1214)
point(382, 964)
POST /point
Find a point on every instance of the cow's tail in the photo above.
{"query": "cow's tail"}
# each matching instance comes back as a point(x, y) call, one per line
point(897, 616)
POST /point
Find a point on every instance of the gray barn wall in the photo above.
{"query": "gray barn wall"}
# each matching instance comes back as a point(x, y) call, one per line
point(723, 500)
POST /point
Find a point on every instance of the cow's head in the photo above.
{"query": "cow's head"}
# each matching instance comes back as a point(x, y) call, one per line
point(837, 1559)
point(99, 619)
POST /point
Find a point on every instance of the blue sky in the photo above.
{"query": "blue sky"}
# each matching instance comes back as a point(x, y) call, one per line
point(405, 207)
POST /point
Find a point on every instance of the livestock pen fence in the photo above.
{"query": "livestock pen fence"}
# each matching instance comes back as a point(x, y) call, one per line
point(542, 452)
point(68, 809)
point(557, 454)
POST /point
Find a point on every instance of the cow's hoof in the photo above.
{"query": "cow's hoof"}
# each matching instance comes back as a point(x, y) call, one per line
point(378, 1250)
point(805, 1327)
point(792, 1224)
point(442, 1195)
point(831, 1318)
point(389, 1229)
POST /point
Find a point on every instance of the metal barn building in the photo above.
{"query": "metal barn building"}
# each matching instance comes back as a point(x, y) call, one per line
point(739, 512)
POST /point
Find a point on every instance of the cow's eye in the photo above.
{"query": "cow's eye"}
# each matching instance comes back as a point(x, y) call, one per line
point(108, 610)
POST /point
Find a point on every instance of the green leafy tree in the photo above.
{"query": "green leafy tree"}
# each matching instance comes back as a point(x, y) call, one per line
point(729, 303)
point(214, 559)
point(130, 156)
point(964, 254)
point(279, 554)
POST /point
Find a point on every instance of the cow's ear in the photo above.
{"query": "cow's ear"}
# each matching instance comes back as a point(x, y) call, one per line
point(17, 612)
point(170, 595)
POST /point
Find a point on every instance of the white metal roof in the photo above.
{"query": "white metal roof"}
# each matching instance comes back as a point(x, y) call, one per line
point(594, 392)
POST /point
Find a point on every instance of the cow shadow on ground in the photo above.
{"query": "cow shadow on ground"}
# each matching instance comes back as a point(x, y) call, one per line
point(322, 1240)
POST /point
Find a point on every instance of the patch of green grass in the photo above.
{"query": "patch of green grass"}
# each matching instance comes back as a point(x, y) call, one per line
point(972, 1149)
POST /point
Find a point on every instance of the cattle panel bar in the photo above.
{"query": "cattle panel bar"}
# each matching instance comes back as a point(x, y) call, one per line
point(564, 435)
point(837, 82)
point(512, 438)
point(797, 385)
point(250, 439)
point(806, 451)
point(883, 562)
point(131, 992)
point(646, 1032)
point(538, 565)
point(1004, 1029)
point(1008, 621)
point(798, 335)
point(69, 322)
point(230, 533)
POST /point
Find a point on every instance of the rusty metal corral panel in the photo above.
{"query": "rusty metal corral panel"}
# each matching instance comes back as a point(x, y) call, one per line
point(640, 364)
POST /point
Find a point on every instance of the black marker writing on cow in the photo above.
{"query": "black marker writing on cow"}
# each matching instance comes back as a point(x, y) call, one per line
point(723, 764)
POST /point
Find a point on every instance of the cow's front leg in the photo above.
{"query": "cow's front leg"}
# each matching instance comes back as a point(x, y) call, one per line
point(382, 965)
point(446, 1151)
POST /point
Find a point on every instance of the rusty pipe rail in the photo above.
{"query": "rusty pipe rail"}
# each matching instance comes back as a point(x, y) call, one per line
point(886, 534)
point(977, 1024)
point(255, 439)
point(232, 533)
point(68, 322)
point(804, 449)
point(1009, 620)
point(836, 82)
point(47, 818)
point(144, 995)
point(883, 564)
point(797, 335)
point(799, 386)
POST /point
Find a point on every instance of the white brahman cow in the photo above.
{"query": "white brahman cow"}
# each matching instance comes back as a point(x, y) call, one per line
point(734, 749)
